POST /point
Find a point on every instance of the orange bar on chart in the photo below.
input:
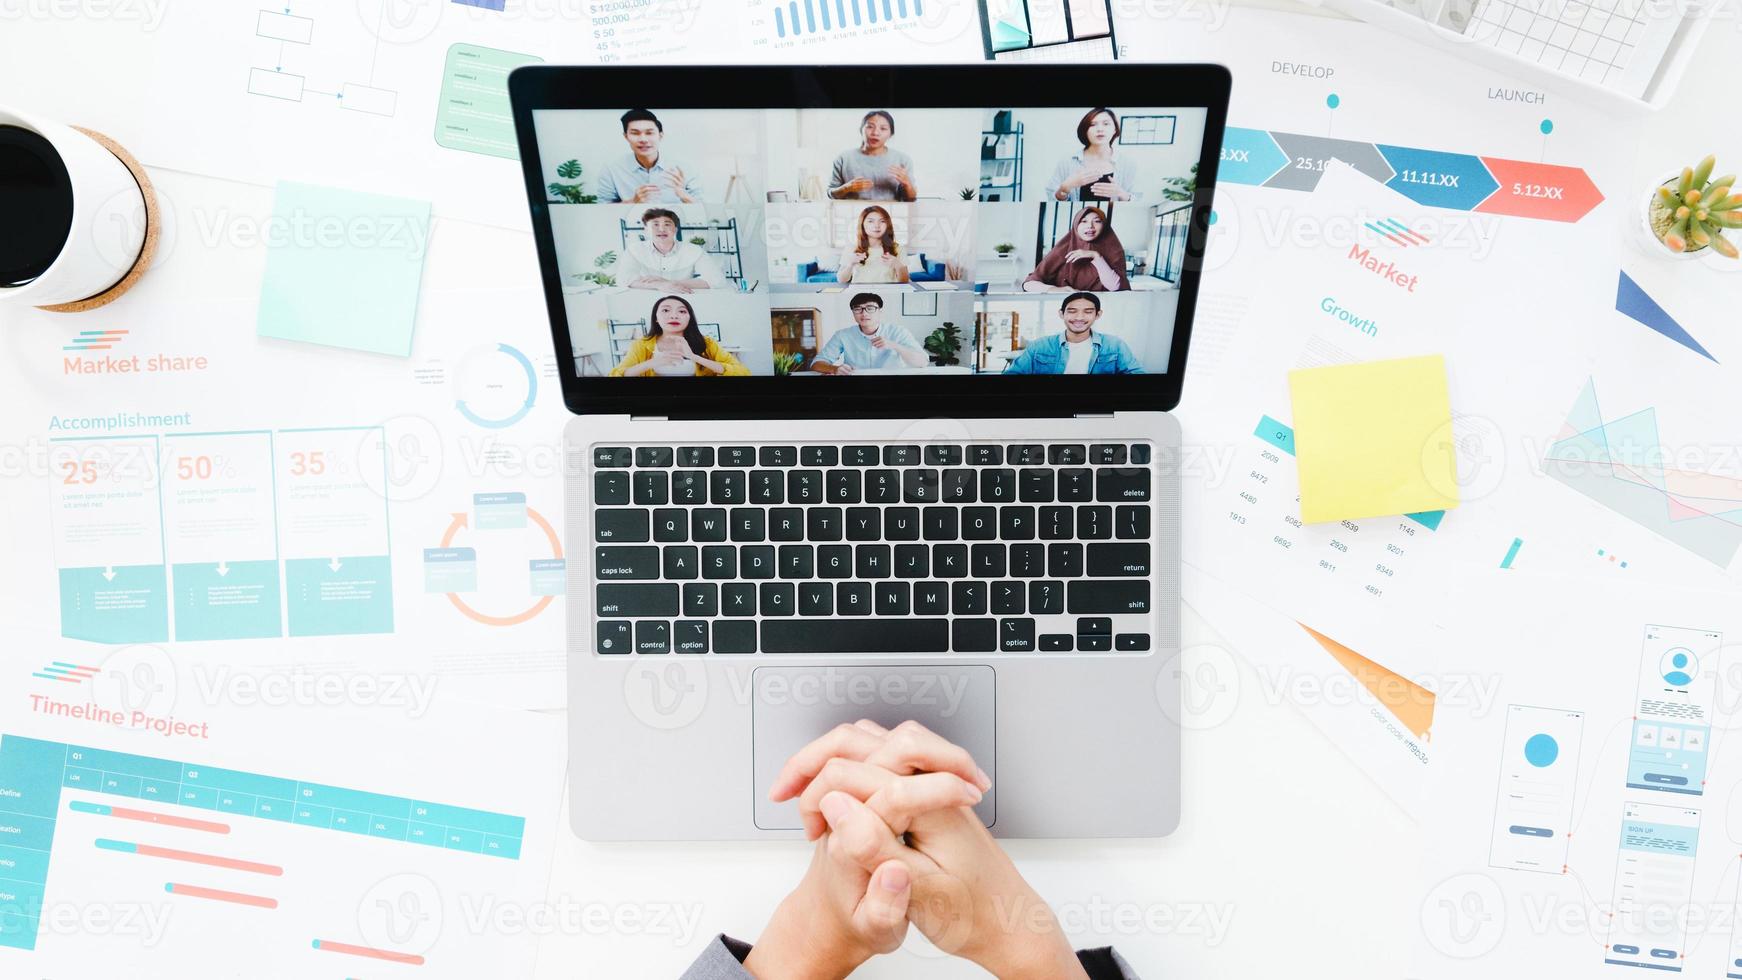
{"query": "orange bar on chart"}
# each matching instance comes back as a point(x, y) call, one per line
point(327, 945)
point(217, 895)
point(192, 857)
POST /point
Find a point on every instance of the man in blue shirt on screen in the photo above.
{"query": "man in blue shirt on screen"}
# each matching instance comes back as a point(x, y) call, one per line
point(643, 175)
point(1080, 348)
point(871, 344)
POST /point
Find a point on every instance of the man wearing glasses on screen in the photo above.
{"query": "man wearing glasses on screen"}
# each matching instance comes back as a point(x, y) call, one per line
point(1080, 349)
point(874, 346)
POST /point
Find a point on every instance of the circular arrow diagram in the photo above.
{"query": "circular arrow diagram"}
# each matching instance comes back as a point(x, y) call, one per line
point(520, 413)
point(556, 551)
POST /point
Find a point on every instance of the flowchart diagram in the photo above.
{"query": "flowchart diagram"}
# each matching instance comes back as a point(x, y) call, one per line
point(291, 37)
point(452, 569)
point(222, 535)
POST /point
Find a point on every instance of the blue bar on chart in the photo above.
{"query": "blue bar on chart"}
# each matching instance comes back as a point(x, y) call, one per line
point(1512, 553)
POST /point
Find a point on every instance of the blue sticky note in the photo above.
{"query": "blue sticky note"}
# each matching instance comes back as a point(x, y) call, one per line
point(343, 268)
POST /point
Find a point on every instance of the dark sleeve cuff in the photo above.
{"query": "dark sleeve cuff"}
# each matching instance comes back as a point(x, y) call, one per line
point(1105, 964)
point(721, 959)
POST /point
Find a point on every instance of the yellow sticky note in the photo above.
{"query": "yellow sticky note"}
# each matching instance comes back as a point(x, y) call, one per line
point(1374, 439)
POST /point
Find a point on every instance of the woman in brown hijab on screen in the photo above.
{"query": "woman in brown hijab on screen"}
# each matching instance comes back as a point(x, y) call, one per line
point(1089, 257)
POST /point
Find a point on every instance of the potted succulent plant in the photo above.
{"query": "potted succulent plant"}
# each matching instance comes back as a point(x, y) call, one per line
point(1687, 215)
point(1003, 248)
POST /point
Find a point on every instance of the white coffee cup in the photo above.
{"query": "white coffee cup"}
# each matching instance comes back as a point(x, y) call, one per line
point(108, 226)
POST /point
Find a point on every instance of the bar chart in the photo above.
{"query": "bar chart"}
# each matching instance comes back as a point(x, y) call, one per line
point(322, 848)
point(797, 17)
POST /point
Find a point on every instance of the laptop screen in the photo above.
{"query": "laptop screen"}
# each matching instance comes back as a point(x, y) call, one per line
point(811, 243)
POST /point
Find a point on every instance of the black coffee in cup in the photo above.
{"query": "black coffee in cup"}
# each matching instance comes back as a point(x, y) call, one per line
point(36, 205)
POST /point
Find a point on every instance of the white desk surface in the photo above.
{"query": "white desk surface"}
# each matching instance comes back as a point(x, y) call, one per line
point(1289, 860)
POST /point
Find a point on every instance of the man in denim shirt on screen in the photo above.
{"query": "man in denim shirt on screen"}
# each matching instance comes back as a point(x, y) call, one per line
point(1079, 349)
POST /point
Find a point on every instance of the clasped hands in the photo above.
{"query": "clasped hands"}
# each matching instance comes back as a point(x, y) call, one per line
point(899, 843)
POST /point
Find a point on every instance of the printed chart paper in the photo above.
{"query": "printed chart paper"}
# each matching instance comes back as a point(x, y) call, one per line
point(302, 841)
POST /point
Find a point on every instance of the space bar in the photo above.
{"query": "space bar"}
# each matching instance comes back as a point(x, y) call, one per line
point(856, 636)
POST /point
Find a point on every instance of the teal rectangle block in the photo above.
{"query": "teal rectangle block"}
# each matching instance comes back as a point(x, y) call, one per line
point(549, 576)
point(31, 833)
point(1276, 433)
point(389, 828)
point(79, 778)
point(459, 817)
point(426, 833)
point(23, 864)
point(280, 810)
point(203, 797)
point(121, 784)
point(352, 600)
point(469, 841)
point(350, 821)
point(30, 775)
point(450, 570)
point(237, 601)
point(161, 790)
point(313, 816)
point(351, 799)
point(20, 907)
point(143, 766)
point(120, 604)
point(240, 782)
point(239, 803)
point(505, 847)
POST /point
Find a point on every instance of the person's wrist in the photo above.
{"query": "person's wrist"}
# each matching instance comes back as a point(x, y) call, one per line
point(801, 946)
point(1038, 956)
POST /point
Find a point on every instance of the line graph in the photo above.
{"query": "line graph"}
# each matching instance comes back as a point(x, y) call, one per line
point(1622, 464)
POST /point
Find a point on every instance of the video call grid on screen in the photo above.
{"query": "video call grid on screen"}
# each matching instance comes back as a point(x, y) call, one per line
point(869, 241)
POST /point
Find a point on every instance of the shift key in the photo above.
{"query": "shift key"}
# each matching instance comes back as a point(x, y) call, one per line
point(654, 599)
point(1105, 596)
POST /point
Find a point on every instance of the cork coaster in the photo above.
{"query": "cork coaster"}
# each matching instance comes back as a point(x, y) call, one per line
point(153, 223)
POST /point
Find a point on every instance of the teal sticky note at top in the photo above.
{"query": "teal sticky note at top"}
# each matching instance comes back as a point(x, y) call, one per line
point(343, 268)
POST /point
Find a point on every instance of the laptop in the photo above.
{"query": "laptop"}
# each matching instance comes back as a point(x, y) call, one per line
point(870, 371)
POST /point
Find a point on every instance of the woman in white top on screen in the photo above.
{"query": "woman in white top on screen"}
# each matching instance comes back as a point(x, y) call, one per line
point(663, 262)
point(874, 256)
point(1097, 173)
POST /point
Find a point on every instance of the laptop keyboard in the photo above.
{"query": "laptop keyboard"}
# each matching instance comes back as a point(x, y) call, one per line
point(828, 549)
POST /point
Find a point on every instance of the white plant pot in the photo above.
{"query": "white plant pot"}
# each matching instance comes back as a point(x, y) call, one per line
point(1648, 240)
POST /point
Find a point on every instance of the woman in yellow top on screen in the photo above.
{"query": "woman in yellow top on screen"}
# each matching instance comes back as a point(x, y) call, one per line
point(674, 347)
point(874, 256)
point(1088, 257)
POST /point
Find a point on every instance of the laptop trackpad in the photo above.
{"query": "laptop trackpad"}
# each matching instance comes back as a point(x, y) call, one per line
point(794, 705)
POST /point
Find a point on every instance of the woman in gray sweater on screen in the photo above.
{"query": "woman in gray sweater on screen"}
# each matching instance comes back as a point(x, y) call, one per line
point(898, 844)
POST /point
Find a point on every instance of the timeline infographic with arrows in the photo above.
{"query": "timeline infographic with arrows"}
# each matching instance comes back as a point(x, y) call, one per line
point(1435, 178)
